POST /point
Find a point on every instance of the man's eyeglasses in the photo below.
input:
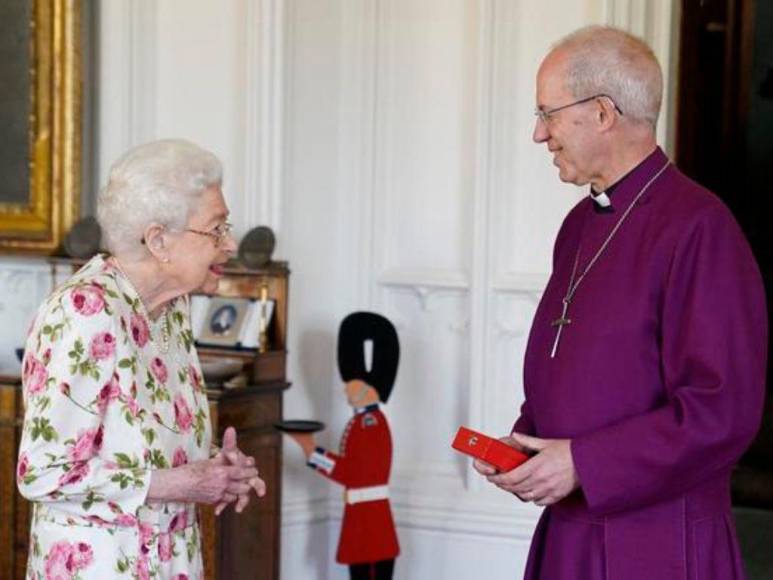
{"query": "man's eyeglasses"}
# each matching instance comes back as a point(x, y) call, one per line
point(544, 116)
point(218, 233)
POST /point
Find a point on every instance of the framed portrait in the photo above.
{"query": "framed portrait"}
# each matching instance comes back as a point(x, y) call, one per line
point(224, 321)
point(40, 120)
point(230, 322)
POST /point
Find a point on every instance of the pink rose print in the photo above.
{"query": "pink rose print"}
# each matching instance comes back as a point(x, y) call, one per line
point(179, 522)
point(165, 547)
point(88, 300)
point(76, 474)
point(58, 565)
point(23, 466)
point(109, 392)
point(146, 534)
point(34, 375)
point(126, 521)
point(140, 330)
point(87, 446)
point(179, 458)
point(65, 559)
point(82, 556)
point(143, 568)
point(134, 407)
point(65, 388)
point(182, 413)
point(102, 346)
point(158, 368)
point(181, 577)
point(195, 377)
point(96, 520)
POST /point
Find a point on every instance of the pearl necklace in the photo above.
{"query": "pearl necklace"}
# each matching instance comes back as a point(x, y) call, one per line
point(154, 327)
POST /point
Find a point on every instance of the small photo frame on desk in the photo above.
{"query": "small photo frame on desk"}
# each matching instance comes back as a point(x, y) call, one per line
point(230, 322)
point(223, 322)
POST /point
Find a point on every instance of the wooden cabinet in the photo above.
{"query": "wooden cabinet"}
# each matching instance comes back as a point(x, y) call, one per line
point(14, 510)
point(236, 546)
point(246, 546)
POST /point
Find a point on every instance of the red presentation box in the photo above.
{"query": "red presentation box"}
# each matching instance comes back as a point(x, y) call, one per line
point(492, 451)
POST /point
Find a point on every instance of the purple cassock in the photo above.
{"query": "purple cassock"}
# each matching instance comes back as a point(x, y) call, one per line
point(658, 381)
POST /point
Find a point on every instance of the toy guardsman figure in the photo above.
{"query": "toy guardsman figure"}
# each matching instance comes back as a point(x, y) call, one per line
point(368, 542)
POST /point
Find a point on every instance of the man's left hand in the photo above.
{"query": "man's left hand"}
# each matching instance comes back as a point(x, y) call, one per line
point(547, 477)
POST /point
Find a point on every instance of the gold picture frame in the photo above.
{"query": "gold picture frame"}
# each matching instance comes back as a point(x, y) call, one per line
point(36, 220)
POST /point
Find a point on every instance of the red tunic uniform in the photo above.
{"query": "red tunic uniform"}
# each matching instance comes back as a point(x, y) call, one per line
point(362, 466)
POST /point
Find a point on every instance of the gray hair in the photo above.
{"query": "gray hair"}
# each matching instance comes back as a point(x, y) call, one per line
point(158, 182)
point(610, 61)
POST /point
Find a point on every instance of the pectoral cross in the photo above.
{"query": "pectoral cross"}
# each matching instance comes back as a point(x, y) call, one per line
point(560, 323)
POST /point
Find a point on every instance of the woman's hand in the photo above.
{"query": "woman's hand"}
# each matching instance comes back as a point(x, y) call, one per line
point(229, 476)
point(230, 454)
point(209, 481)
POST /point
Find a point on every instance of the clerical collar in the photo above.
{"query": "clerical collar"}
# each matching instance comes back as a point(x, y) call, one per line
point(366, 409)
point(603, 199)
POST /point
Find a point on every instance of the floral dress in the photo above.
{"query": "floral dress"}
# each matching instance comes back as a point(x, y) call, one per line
point(104, 407)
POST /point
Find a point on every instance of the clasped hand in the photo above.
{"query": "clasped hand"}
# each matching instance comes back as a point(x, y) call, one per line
point(242, 475)
point(230, 476)
point(546, 478)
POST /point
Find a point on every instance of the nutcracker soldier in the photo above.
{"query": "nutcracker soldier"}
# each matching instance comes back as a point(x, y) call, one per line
point(368, 542)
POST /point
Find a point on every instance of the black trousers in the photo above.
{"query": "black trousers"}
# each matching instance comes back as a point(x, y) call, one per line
point(381, 570)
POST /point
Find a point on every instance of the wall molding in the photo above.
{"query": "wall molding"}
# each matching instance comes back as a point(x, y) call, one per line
point(300, 512)
point(126, 77)
point(447, 514)
point(483, 208)
point(426, 285)
point(500, 522)
point(357, 122)
point(24, 284)
point(528, 283)
point(656, 22)
point(265, 32)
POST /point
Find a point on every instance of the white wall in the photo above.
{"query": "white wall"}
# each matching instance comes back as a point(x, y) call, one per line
point(446, 217)
point(387, 142)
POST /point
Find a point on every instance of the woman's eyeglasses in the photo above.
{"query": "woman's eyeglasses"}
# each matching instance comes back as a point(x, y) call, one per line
point(218, 233)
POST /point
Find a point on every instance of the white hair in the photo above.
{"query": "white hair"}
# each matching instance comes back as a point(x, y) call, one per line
point(610, 61)
point(158, 182)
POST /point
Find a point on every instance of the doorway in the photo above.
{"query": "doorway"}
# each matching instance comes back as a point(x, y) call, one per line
point(725, 142)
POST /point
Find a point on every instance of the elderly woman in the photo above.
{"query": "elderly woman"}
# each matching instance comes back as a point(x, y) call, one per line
point(116, 452)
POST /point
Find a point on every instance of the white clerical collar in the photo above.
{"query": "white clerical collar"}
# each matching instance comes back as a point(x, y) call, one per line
point(601, 199)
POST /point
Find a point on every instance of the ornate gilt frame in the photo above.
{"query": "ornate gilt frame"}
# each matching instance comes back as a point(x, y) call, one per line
point(39, 225)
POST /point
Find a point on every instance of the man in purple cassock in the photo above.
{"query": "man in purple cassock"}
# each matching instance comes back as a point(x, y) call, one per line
point(645, 367)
